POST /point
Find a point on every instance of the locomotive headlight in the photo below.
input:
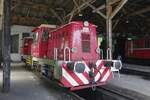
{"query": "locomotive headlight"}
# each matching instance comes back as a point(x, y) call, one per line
point(79, 67)
point(86, 23)
point(74, 50)
point(86, 28)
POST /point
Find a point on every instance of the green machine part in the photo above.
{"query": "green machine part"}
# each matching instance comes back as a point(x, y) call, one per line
point(100, 38)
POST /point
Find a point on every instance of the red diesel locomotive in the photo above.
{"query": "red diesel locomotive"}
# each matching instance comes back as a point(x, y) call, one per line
point(69, 55)
point(26, 47)
point(138, 49)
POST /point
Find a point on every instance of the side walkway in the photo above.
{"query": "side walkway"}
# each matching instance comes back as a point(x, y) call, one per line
point(25, 85)
point(140, 68)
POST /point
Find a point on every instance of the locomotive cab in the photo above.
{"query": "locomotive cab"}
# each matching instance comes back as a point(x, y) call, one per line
point(84, 42)
point(26, 47)
point(40, 40)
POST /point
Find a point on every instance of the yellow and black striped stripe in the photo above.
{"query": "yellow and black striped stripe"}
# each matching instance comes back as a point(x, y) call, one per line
point(29, 60)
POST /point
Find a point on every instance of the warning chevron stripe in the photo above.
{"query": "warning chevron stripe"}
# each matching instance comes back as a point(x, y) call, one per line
point(98, 68)
point(106, 76)
point(67, 76)
point(66, 83)
point(74, 76)
point(72, 79)
point(110, 75)
point(103, 74)
point(99, 74)
point(83, 78)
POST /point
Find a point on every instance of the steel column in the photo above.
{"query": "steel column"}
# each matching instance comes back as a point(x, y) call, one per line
point(109, 35)
point(6, 45)
point(109, 26)
point(109, 16)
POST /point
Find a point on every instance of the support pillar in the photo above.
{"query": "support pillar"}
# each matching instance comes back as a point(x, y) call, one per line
point(109, 16)
point(6, 45)
point(1, 24)
point(109, 35)
point(109, 28)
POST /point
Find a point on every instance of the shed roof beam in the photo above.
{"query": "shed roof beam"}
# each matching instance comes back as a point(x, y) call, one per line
point(113, 1)
point(121, 4)
point(140, 11)
point(81, 7)
point(94, 8)
point(115, 24)
point(16, 5)
point(75, 2)
point(57, 16)
point(99, 8)
point(71, 16)
point(131, 10)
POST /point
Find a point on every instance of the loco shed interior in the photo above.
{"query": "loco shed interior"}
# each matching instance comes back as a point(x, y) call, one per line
point(132, 19)
point(134, 15)
point(122, 28)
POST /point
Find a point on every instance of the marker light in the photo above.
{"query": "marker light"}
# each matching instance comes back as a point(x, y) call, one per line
point(26, 44)
point(74, 50)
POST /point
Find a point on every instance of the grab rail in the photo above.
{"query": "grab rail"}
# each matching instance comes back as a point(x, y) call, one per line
point(66, 48)
point(102, 53)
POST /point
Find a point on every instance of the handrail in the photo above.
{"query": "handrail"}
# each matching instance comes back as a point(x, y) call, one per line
point(131, 47)
point(109, 53)
point(66, 48)
point(102, 53)
point(55, 53)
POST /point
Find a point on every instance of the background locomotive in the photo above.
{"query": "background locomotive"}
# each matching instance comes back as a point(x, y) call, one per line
point(69, 55)
point(138, 49)
point(26, 49)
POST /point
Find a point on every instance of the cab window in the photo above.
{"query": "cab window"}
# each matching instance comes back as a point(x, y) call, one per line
point(147, 43)
point(85, 43)
point(45, 35)
point(35, 37)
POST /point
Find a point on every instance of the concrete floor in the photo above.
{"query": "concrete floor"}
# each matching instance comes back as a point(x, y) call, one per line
point(25, 85)
point(137, 84)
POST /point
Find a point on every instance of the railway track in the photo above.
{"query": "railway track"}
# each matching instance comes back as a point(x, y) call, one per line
point(136, 70)
point(70, 96)
point(103, 93)
point(114, 93)
point(108, 94)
